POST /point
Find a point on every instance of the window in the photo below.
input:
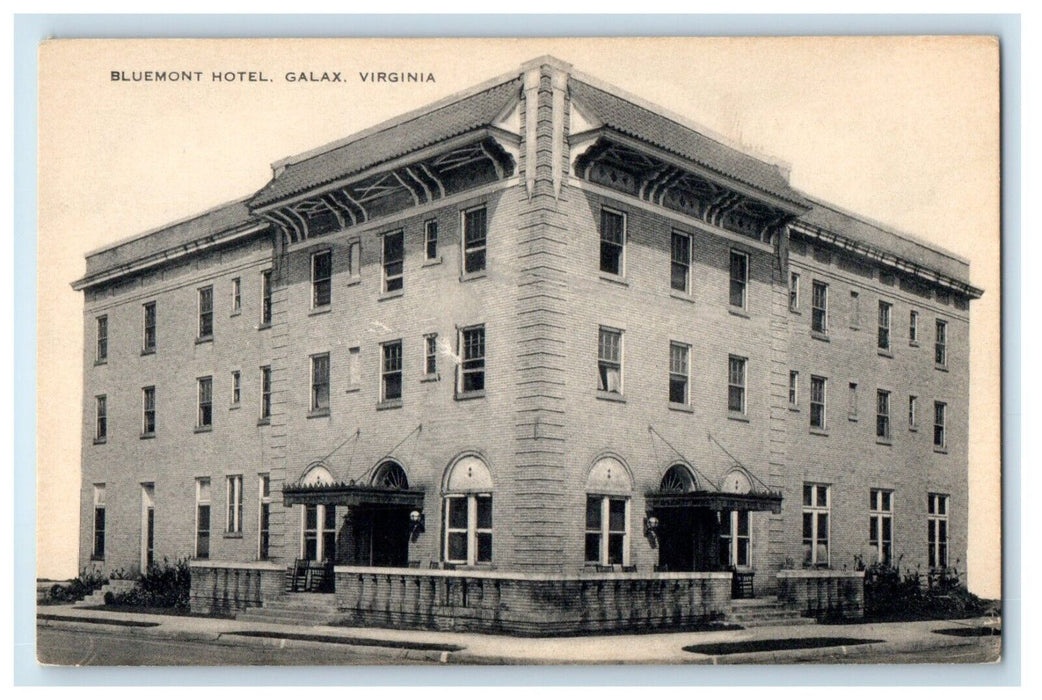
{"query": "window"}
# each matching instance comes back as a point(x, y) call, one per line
point(794, 291)
point(266, 298)
point(265, 412)
point(320, 382)
point(475, 240)
point(148, 410)
point(855, 309)
point(852, 401)
point(202, 518)
point(607, 530)
point(319, 532)
point(940, 414)
point(321, 279)
point(940, 348)
point(149, 341)
point(678, 373)
point(913, 327)
point(734, 538)
point(430, 239)
point(394, 261)
point(794, 388)
point(264, 517)
point(205, 313)
point(391, 371)
point(913, 412)
point(884, 325)
point(236, 387)
point(205, 417)
point(98, 550)
point(815, 524)
point(430, 354)
point(233, 522)
point(467, 512)
point(613, 241)
point(819, 315)
point(937, 530)
point(818, 396)
point(472, 359)
point(101, 423)
point(880, 524)
point(609, 360)
point(236, 295)
point(882, 414)
point(354, 367)
point(739, 278)
point(354, 258)
point(736, 384)
point(680, 262)
point(102, 351)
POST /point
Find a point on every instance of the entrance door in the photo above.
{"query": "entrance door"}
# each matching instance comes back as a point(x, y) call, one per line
point(687, 539)
point(390, 537)
point(148, 526)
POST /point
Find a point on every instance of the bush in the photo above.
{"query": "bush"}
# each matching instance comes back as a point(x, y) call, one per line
point(164, 585)
point(891, 595)
point(78, 588)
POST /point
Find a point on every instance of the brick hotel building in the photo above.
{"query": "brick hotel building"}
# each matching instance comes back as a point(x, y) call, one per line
point(536, 357)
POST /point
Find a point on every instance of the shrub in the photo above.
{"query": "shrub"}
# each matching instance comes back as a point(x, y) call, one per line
point(165, 585)
point(889, 594)
point(78, 588)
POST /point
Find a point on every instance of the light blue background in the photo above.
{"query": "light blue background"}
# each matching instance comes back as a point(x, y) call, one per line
point(29, 30)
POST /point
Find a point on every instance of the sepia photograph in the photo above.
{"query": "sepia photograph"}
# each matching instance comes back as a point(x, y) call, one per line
point(519, 351)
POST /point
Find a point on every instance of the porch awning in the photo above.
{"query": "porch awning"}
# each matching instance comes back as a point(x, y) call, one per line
point(350, 495)
point(715, 500)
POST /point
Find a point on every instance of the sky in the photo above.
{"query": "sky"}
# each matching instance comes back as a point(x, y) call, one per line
point(903, 130)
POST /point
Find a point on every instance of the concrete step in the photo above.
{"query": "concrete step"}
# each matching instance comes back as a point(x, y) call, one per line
point(778, 623)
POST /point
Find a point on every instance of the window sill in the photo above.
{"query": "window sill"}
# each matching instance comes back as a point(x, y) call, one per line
point(735, 311)
point(148, 352)
point(235, 313)
point(796, 312)
point(467, 395)
point(794, 409)
point(430, 378)
point(941, 368)
point(203, 429)
point(852, 418)
point(233, 535)
point(319, 310)
point(99, 363)
point(855, 327)
point(319, 413)
point(389, 404)
point(470, 276)
point(614, 279)
point(819, 431)
point(204, 339)
point(913, 429)
point(100, 441)
point(913, 343)
point(432, 262)
point(682, 407)
point(610, 396)
point(740, 417)
point(884, 441)
point(682, 296)
point(148, 436)
point(264, 421)
point(391, 295)
point(885, 353)
point(353, 280)
point(95, 557)
point(818, 335)
point(353, 389)
point(264, 326)
point(235, 406)
point(941, 450)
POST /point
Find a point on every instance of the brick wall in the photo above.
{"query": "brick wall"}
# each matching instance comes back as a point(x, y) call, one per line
point(224, 588)
point(824, 594)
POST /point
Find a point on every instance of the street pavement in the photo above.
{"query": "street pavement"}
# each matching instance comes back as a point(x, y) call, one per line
point(184, 640)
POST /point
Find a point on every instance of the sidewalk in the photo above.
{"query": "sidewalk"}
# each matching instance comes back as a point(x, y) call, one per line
point(472, 648)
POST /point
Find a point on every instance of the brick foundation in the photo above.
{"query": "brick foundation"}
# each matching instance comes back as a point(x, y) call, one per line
point(824, 594)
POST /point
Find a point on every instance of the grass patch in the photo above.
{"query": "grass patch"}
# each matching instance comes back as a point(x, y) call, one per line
point(971, 631)
point(759, 645)
point(353, 641)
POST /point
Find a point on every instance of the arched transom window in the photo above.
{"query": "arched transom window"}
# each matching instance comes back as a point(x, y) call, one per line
point(608, 489)
point(468, 512)
point(390, 475)
point(677, 479)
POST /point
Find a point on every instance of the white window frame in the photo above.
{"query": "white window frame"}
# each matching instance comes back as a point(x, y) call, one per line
point(483, 247)
point(320, 531)
point(675, 234)
point(233, 503)
point(236, 296)
point(207, 292)
point(321, 284)
point(822, 309)
point(794, 291)
point(601, 241)
point(913, 327)
point(146, 346)
point(815, 510)
point(794, 388)
point(101, 418)
point(743, 364)
point(680, 373)
point(430, 237)
point(937, 512)
point(430, 355)
point(385, 373)
point(101, 346)
point(605, 532)
point(200, 383)
point(265, 317)
point(316, 386)
point(940, 427)
point(265, 393)
point(98, 553)
point(474, 368)
point(264, 501)
point(236, 387)
point(913, 412)
point(884, 340)
point(611, 362)
point(880, 509)
point(940, 351)
point(472, 530)
point(208, 502)
point(883, 411)
point(732, 540)
point(146, 410)
point(824, 402)
point(743, 282)
point(852, 400)
point(396, 280)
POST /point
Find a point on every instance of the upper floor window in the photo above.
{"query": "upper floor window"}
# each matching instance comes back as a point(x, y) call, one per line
point(236, 387)
point(391, 371)
point(937, 530)
point(233, 522)
point(472, 359)
point(430, 239)
point(265, 408)
point(880, 524)
point(940, 417)
point(913, 327)
point(736, 384)
point(883, 414)
point(680, 262)
point(855, 309)
point(101, 422)
point(266, 298)
point(320, 382)
point(739, 278)
point(884, 325)
point(609, 360)
point(678, 373)
point(613, 241)
point(102, 352)
point(818, 396)
point(913, 412)
point(816, 510)
point(148, 410)
point(940, 352)
point(206, 312)
point(430, 354)
point(321, 278)
point(794, 388)
point(475, 240)
point(819, 319)
point(204, 418)
point(149, 340)
point(98, 550)
point(852, 401)
point(794, 291)
point(236, 295)
point(394, 261)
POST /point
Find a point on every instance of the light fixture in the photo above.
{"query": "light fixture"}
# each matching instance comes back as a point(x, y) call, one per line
point(415, 523)
point(651, 524)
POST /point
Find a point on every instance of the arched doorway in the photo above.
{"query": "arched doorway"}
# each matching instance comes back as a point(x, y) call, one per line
point(388, 524)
